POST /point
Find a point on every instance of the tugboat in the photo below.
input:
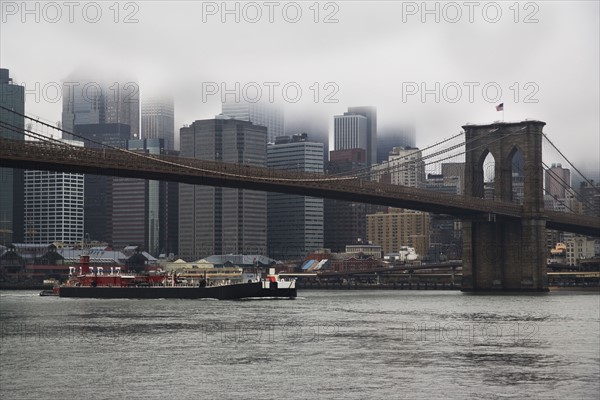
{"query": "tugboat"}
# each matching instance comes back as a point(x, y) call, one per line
point(94, 283)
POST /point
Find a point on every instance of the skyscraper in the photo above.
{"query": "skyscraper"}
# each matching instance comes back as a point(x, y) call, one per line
point(357, 128)
point(158, 120)
point(140, 208)
point(260, 113)
point(371, 114)
point(406, 166)
point(350, 132)
point(123, 106)
point(11, 180)
point(54, 206)
point(345, 221)
point(215, 220)
point(98, 196)
point(89, 102)
point(589, 196)
point(295, 223)
point(82, 104)
point(557, 179)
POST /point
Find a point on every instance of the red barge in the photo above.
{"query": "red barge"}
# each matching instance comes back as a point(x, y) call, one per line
point(95, 283)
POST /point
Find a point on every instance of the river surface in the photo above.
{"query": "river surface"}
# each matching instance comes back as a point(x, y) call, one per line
point(325, 344)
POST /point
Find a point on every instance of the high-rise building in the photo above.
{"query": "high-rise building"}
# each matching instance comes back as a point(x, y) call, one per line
point(295, 223)
point(357, 128)
point(453, 174)
point(215, 220)
point(350, 132)
point(557, 180)
point(140, 208)
point(83, 103)
point(345, 221)
point(123, 106)
point(12, 96)
point(260, 113)
point(158, 120)
point(399, 227)
point(445, 233)
point(406, 166)
point(371, 114)
point(589, 197)
point(89, 102)
point(98, 196)
point(54, 206)
point(98, 135)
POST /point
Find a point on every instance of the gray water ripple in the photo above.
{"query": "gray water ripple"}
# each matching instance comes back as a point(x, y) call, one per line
point(331, 344)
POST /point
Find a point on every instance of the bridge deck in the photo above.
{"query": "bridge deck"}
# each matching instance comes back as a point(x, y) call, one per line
point(54, 157)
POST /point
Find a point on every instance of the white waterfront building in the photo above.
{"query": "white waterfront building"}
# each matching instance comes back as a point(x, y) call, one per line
point(54, 205)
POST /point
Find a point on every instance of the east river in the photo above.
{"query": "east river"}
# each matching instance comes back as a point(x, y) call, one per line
point(325, 344)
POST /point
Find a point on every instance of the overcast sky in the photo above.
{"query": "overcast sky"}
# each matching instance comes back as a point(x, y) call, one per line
point(542, 56)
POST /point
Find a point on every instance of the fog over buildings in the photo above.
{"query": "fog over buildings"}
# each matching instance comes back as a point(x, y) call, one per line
point(437, 70)
point(426, 117)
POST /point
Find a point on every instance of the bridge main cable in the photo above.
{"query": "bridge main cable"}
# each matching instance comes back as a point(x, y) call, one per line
point(155, 159)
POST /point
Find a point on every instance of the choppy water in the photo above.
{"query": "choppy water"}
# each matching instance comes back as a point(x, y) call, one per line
point(326, 344)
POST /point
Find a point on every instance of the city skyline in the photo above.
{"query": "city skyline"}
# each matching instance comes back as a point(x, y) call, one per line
point(421, 178)
point(98, 131)
point(402, 60)
point(310, 103)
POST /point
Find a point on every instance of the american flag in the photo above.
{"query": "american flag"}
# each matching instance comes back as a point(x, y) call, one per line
point(500, 107)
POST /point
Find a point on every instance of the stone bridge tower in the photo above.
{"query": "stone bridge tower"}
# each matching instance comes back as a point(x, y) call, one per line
point(501, 253)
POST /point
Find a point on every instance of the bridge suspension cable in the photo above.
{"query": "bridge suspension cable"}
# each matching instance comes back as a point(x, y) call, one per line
point(567, 160)
point(155, 159)
point(353, 175)
point(34, 135)
point(397, 167)
point(410, 165)
point(565, 185)
point(358, 172)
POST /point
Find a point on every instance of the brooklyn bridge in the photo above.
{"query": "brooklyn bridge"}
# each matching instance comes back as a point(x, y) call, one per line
point(503, 241)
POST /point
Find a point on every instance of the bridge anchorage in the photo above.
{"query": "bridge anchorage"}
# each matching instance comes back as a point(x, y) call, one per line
point(502, 253)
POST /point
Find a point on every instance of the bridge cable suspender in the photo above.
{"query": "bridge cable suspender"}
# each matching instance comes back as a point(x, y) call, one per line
point(353, 176)
point(570, 163)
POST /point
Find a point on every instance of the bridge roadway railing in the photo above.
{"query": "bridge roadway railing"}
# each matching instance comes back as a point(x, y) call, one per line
point(108, 161)
point(38, 155)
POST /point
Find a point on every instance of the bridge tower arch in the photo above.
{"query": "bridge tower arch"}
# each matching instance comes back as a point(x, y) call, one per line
point(501, 253)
